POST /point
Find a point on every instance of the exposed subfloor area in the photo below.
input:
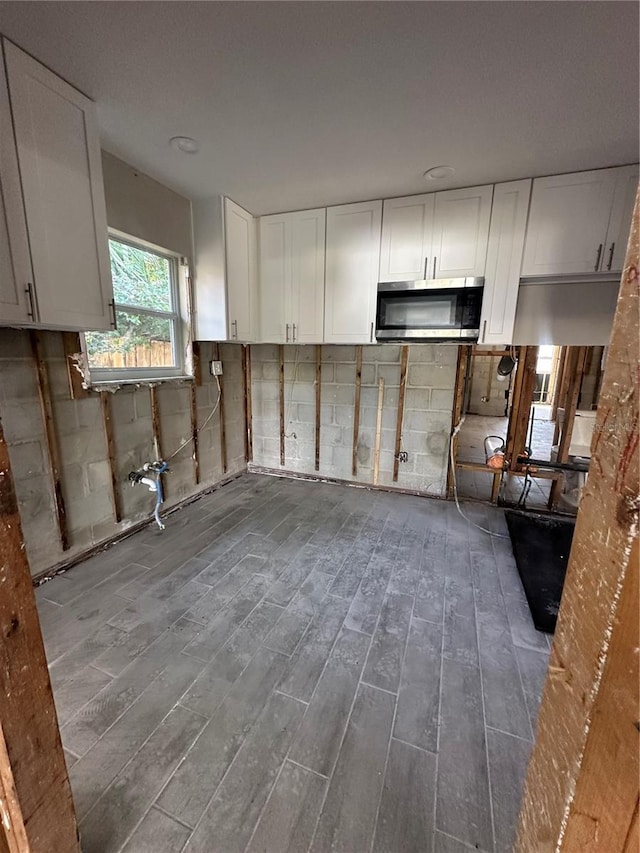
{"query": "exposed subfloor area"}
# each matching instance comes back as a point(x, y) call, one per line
point(297, 666)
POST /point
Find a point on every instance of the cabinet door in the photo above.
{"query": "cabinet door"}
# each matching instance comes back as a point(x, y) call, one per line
point(307, 283)
point(504, 259)
point(16, 277)
point(240, 249)
point(460, 232)
point(58, 147)
point(568, 223)
point(352, 264)
point(620, 220)
point(275, 277)
point(405, 249)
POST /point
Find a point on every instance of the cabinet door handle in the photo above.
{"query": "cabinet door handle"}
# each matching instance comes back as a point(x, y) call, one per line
point(294, 333)
point(611, 251)
point(112, 306)
point(598, 257)
point(434, 266)
point(484, 330)
point(32, 306)
point(371, 334)
point(235, 330)
point(286, 333)
point(426, 264)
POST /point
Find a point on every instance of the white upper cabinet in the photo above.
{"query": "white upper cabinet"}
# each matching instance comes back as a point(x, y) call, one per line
point(226, 275)
point(352, 265)
point(437, 235)
point(291, 260)
point(569, 223)
point(504, 258)
point(58, 148)
point(460, 232)
point(17, 303)
point(620, 221)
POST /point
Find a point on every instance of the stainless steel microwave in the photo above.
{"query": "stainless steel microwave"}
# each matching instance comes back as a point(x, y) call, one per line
point(430, 310)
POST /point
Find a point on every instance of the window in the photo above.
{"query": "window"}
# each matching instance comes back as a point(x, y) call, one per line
point(148, 340)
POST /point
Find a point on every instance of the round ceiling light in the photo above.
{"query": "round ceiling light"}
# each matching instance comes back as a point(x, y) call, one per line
point(439, 173)
point(185, 144)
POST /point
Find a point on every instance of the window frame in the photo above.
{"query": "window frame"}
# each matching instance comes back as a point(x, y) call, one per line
point(180, 318)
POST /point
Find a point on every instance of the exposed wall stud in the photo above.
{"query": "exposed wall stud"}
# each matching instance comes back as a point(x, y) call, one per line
point(356, 412)
point(116, 501)
point(575, 371)
point(318, 402)
point(194, 432)
point(72, 347)
point(196, 353)
point(376, 453)
point(155, 422)
point(281, 397)
point(522, 400)
point(223, 431)
point(402, 392)
point(44, 393)
point(248, 415)
point(462, 368)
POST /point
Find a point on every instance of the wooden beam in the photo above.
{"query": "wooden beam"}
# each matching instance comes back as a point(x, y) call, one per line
point(223, 428)
point(248, 415)
point(155, 421)
point(12, 829)
point(72, 349)
point(581, 789)
point(518, 427)
point(318, 402)
point(196, 355)
point(376, 452)
point(462, 367)
point(558, 385)
point(194, 431)
point(281, 398)
point(107, 424)
point(356, 412)
point(402, 393)
point(33, 761)
point(46, 407)
point(575, 371)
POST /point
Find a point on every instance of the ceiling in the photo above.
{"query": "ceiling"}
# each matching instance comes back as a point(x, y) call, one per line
point(304, 104)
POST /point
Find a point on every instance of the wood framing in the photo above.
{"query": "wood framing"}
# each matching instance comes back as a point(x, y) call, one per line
point(575, 372)
point(46, 407)
point(36, 795)
point(402, 393)
point(559, 385)
point(356, 412)
point(155, 421)
point(72, 349)
point(462, 368)
point(281, 398)
point(524, 387)
point(248, 415)
point(581, 790)
point(223, 428)
point(107, 424)
point(318, 403)
point(196, 355)
point(376, 452)
point(193, 398)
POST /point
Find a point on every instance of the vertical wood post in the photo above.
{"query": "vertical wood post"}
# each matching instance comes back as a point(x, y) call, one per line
point(581, 791)
point(356, 412)
point(116, 501)
point(402, 392)
point(248, 415)
point(376, 452)
point(318, 402)
point(525, 385)
point(281, 398)
point(193, 399)
point(72, 347)
point(223, 428)
point(462, 367)
point(575, 372)
point(33, 761)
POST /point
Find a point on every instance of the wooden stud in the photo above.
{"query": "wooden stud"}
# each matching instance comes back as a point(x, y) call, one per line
point(155, 422)
point(281, 397)
point(194, 431)
point(575, 370)
point(495, 487)
point(581, 789)
point(223, 429)
point(356, 412)
point(560, 402)
point(555, 402)
point(402, 393)
point(32, 762)
point(525, 386)
point(13, 835)
point(318, 402)
point(46, 407)
point(116, 501)
point(248, 415)
point(196, 354)
point(73, 347)
point(376, 453)
point(462, 366)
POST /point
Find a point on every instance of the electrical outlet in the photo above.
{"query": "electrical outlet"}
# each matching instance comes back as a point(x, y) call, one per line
point(403, 456)
point(215, 368)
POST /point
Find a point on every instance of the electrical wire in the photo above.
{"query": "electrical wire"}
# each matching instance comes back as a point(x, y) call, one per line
point(201, 427)
point(455, 487)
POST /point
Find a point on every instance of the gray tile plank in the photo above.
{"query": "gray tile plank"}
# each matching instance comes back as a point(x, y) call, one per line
point(405, 818)
point(348, 818)
point(523, 631)
point(460, 639)
point(384, 662)
point(295, 573)
point(311, 594)
point(308, 661)
point(446, 844)
point(508, 759)
point(419, 694)
point(236, 806)
point(463, 807)
point(406, 571)
point(287, 632)
point(158, 833)
point(94, 772)
point(116, 814)
point(210, 689)
point(223, 591)
point(348, 579)
point(533, 671)
point(72, 694)
point(318, 741)
point(429, 598)
point(189, 791)
point(289, 818)
point(67, 667)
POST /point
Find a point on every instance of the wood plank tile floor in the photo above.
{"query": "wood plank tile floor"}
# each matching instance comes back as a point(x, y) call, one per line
point(297, 666)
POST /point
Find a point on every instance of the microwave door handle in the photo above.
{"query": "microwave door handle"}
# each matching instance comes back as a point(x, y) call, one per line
point(426, 264)
point(434, 266)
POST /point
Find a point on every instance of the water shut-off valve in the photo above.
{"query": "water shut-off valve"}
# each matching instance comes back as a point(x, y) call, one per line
point(149, 475)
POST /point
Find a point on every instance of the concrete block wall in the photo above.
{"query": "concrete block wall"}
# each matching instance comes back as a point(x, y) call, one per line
point(427, 418)
point(85, 472)
point(484, 368)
